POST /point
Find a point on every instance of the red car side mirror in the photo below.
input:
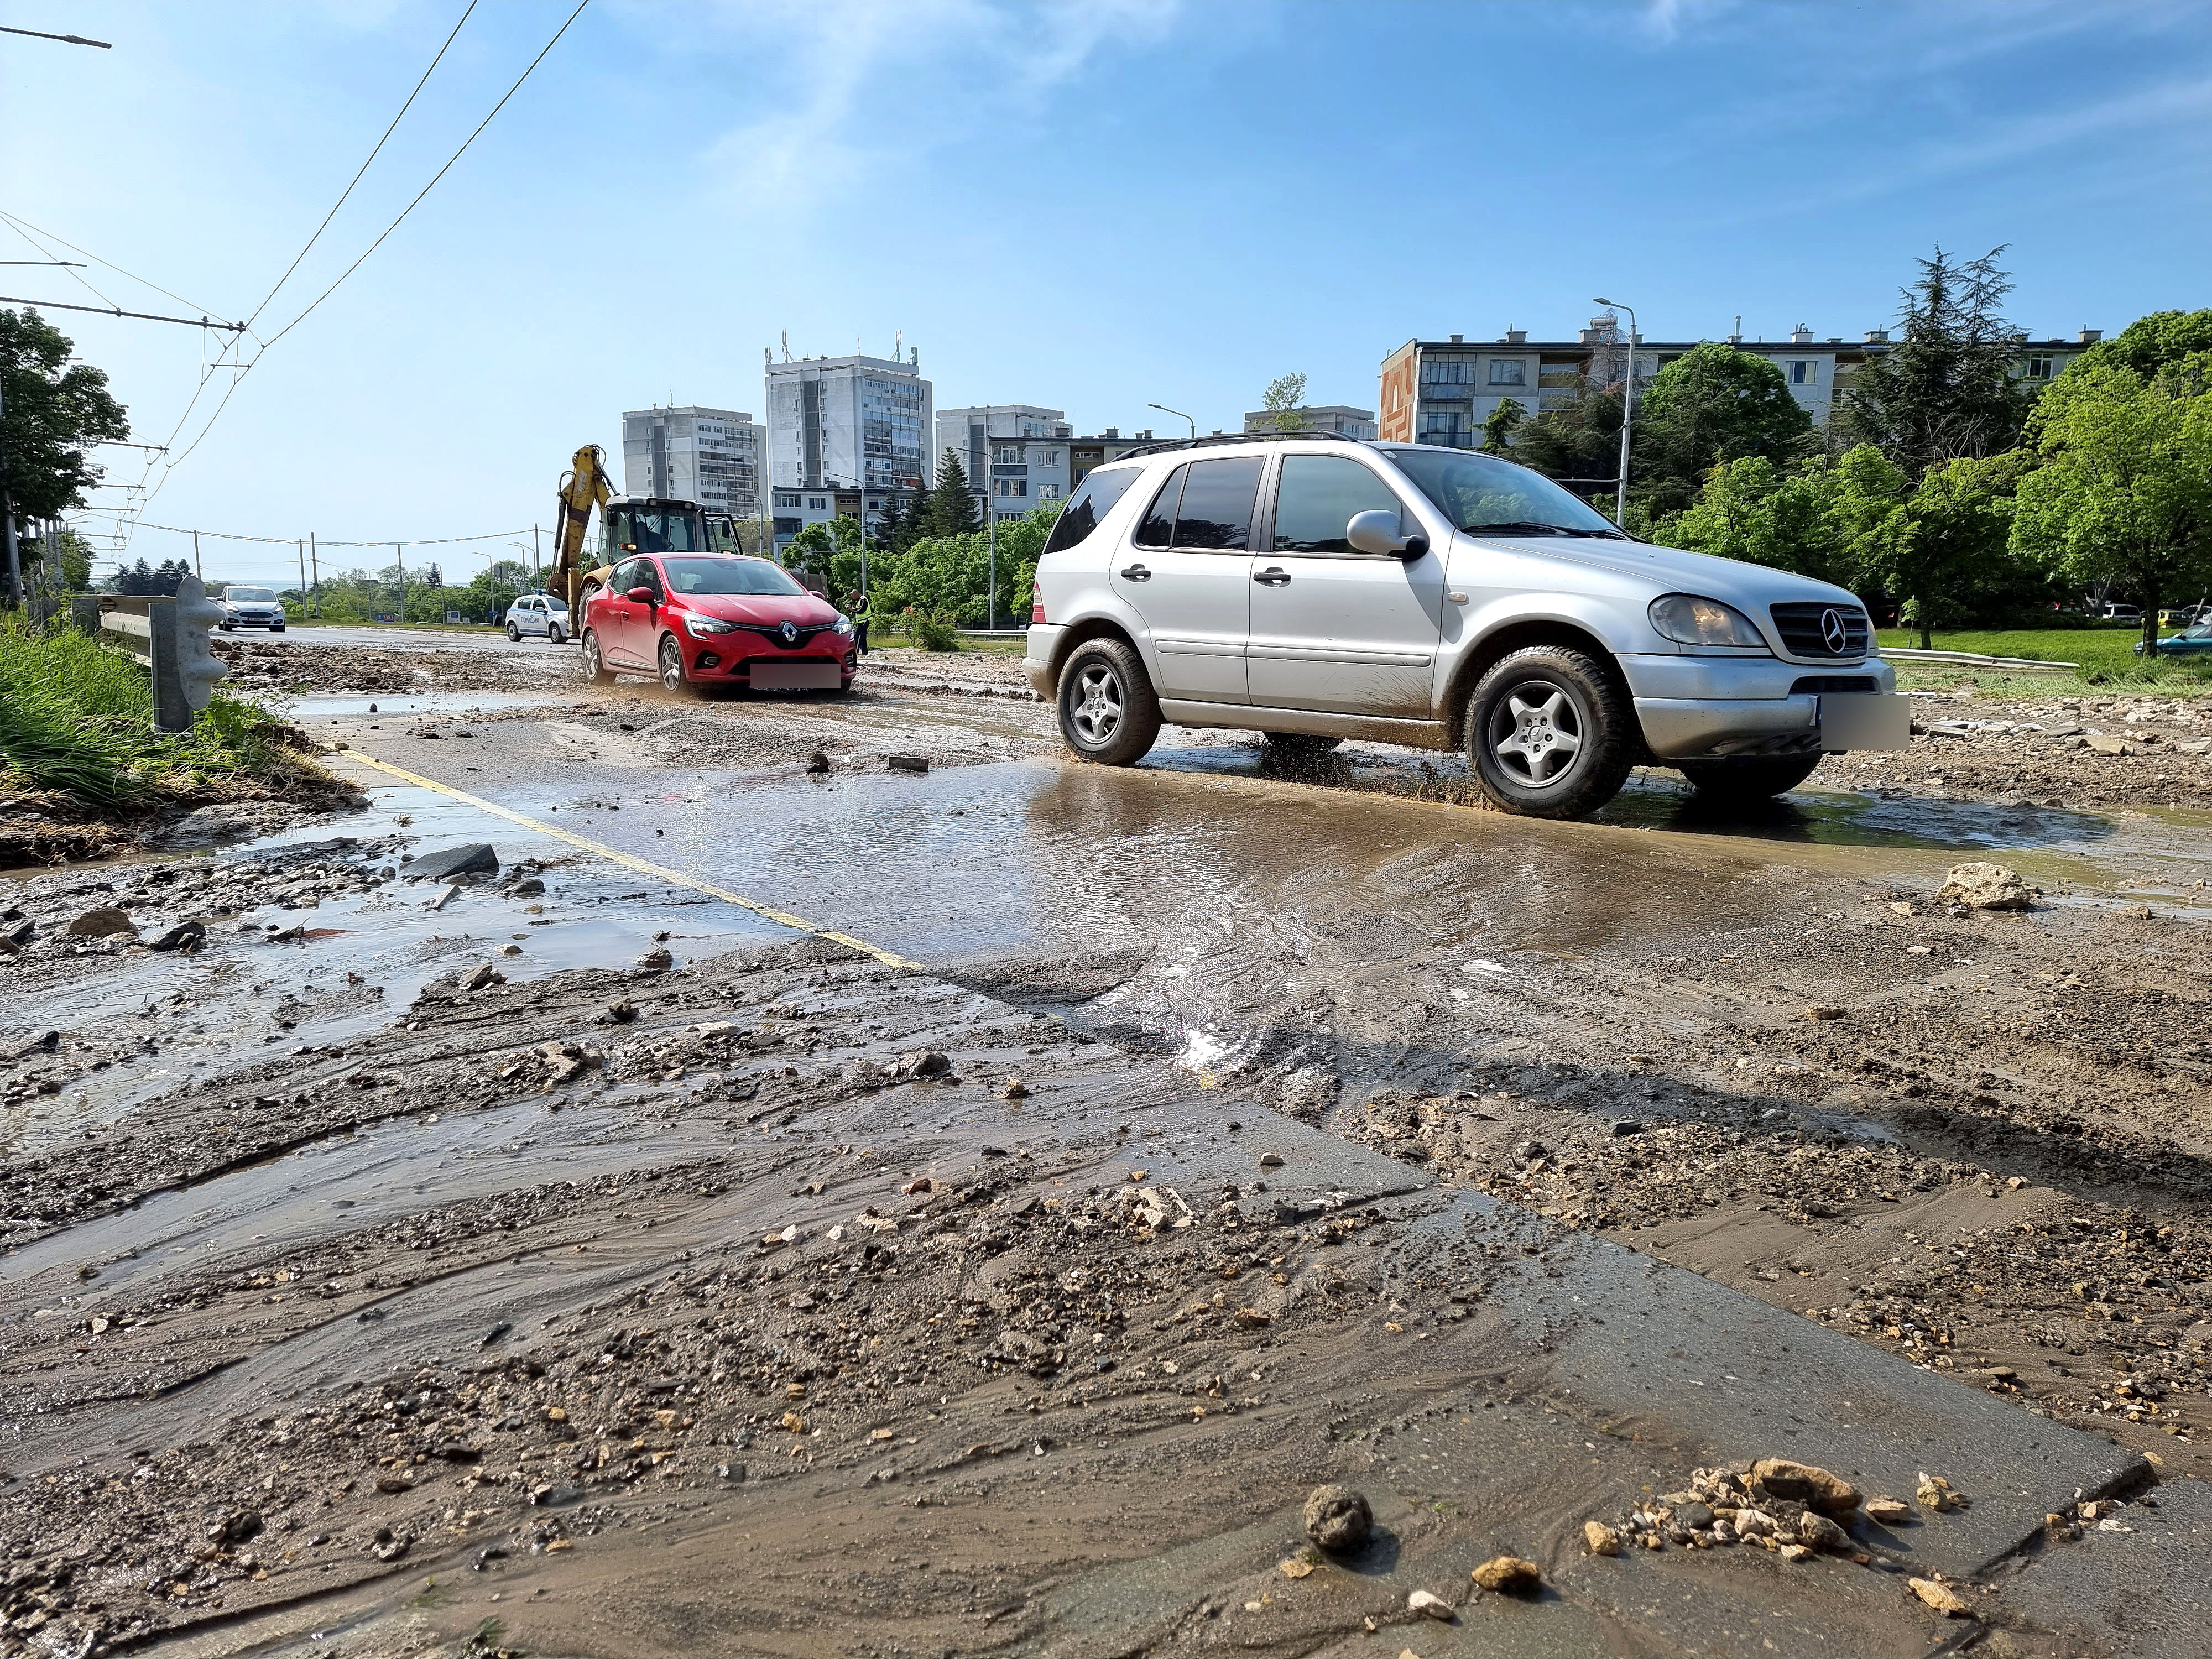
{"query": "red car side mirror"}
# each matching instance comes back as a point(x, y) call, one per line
point(640, 595)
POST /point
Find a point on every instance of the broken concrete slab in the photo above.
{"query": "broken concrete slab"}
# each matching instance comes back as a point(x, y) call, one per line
point(474, 858)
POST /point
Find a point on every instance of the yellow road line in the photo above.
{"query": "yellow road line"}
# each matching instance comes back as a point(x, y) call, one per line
point(643, 866)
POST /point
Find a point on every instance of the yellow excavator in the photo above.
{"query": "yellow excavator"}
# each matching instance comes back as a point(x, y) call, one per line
point(627, 525)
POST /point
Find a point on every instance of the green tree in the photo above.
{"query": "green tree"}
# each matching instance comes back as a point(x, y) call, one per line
point(2124, 493)
point(74, 553)
point(1944, 389)
point(1751, 509)
point(2149, 343)
point(1576, 438)
point(52, 412)
point(1711, 405)
point(1284, 402)
point(1499, 425)
point(951, 507)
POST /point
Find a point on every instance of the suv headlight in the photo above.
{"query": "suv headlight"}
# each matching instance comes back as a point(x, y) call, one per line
point(1687, 619)
point(844, 625)
point(699, 627)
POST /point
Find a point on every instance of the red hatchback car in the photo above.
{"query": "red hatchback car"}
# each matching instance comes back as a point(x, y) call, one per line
point(715, 619)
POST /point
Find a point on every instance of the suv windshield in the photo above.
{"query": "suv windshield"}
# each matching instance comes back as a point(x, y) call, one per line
point(249, 596)
point(1478, 493)
point(727, 574)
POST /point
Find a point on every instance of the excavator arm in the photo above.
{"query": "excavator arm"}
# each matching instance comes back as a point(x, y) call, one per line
point(583, 486)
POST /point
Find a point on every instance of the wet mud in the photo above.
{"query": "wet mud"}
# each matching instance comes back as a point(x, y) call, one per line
point(1245, 1130)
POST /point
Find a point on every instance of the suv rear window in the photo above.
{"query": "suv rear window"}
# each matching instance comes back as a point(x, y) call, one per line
point(1093, 500)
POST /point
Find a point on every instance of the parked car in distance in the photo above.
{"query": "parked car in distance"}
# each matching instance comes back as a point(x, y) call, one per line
point(1315, 589)
point(2181, 615)
point(2121, 613)
point(541, 616)
point(715, 619)
point(251, 607)
point(2192, 642)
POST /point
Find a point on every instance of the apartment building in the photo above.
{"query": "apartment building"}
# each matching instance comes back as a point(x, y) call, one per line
point(1340, 418)
point(856, 422)
point(1084, 453)
point(710, 456)
point(1440, 391)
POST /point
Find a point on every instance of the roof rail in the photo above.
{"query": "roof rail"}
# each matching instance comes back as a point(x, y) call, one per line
point(1166, 444)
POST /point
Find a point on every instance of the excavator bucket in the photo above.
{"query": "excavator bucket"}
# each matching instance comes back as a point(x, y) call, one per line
point(583, 486)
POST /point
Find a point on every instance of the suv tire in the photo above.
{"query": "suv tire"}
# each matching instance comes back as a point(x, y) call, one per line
point(1551, 733)
point(595, 667)
point(1747, 781)
point(1300, 746)
point(1109, 714)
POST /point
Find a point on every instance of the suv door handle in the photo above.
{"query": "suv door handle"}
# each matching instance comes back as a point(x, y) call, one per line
point(1136, 572)
point(1273, 576)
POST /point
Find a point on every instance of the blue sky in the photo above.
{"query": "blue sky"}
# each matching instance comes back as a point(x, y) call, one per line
point(1092, 206)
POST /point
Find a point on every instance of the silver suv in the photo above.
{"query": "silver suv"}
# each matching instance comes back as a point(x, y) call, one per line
point(1316, 589)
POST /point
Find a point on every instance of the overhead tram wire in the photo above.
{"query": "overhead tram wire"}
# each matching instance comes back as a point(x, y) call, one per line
point(32, 234)
point(248, 368)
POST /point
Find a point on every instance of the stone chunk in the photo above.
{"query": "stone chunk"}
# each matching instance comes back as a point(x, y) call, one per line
point(1808, 1483)
point(1941, 1597)
point(1337, 1519)
point(1601, 1539)
point(475, 858)
point(1980, 887)
point(1509, 1575)
point(105, 922)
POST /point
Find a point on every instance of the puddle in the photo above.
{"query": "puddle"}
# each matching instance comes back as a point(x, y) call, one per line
point(313, 708)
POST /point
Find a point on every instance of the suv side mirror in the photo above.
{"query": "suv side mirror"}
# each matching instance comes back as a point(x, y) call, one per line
point(1376, 532)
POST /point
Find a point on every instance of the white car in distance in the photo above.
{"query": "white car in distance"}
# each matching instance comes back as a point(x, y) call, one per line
point(540, 615)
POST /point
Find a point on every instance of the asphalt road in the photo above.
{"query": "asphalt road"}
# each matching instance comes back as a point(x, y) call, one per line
point(405, 639)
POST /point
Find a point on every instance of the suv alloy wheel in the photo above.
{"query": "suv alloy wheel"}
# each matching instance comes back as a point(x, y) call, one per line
point(1108, 711)
point(1550, 732)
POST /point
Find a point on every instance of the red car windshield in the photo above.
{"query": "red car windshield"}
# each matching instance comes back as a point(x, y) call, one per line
point(727, 576)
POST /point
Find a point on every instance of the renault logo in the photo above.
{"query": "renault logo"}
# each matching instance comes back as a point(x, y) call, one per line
point(1832, 631)
point(790, 631)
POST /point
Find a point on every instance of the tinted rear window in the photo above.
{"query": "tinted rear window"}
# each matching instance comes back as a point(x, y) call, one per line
point(1158, 527)
point(1092, 501)
point(1216, 512)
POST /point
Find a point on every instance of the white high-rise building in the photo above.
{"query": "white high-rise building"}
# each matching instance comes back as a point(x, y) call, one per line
point(710, 456)
point(858, 421)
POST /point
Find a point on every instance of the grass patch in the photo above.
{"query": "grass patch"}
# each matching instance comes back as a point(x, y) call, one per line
point(77, 721)
point(2106, 656)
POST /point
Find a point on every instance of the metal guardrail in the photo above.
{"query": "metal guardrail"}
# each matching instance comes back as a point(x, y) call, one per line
point(168, 638)
point(1976, 659)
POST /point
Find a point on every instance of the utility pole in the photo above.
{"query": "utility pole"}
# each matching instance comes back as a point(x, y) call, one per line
point(315, 564)
point(1627, 413)
point(302, 549)
point(400, 554)
point(15, 558)
point(197, 571)
point(536, 554)
point(991, 594)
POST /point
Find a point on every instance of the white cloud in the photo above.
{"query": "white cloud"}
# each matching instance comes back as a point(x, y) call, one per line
point(850, 80)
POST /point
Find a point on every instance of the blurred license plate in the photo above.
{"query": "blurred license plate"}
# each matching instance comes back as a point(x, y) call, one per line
point(816, 676)
point(1865, 720)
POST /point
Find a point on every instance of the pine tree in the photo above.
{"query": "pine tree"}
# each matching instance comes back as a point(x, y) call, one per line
point(952, 509)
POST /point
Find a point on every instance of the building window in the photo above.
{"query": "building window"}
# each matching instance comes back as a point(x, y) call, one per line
point(1010, 486)
point(2038, 366)
point(1007, 455)
point(816, 504)
point(788, 500)
point(1048, 492)
point(1804, 373)
point(1508, 371)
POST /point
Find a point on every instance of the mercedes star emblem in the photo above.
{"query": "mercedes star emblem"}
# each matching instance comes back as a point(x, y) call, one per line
point(1832, 631)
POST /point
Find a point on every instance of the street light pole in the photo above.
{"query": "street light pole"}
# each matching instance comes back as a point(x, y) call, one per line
point(1179, 414)
point(1627, 413)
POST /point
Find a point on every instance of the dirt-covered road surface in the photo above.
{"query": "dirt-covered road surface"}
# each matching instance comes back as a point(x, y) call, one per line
point(767, 1201)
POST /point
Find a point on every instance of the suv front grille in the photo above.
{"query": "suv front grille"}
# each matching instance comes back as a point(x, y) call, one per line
point(1806, 632)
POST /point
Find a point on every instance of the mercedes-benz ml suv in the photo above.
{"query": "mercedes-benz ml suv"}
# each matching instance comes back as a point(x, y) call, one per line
point(1316, 589)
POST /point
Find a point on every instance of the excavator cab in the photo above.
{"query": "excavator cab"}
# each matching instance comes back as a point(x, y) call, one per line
point(663, 527)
